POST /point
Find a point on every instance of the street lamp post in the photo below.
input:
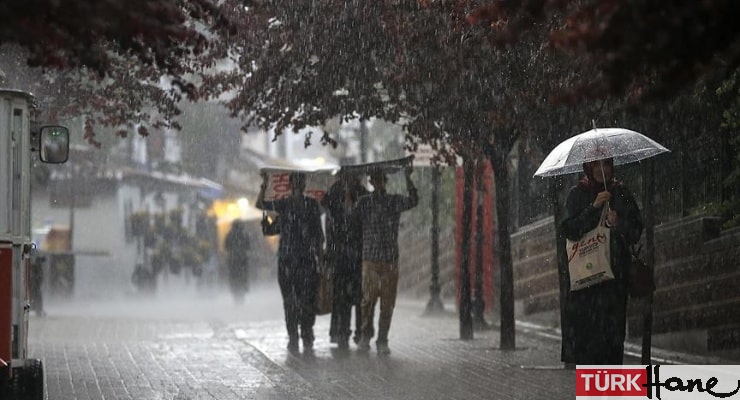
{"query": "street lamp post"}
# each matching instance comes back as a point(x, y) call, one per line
point(435, 304)
point(479, 306)
point(466, 318)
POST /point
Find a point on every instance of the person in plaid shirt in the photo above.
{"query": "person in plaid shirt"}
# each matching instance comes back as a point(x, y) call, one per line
point(379, 213)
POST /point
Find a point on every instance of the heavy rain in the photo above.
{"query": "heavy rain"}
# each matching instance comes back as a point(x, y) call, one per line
point(338, 199)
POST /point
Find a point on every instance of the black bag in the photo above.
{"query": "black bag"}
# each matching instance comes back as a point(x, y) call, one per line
point(270, 226)
point(642, 281)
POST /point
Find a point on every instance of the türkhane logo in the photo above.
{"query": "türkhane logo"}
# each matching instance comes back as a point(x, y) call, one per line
point(611, 381)
point(661, 382)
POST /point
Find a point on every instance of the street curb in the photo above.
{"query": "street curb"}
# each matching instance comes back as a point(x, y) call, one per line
point(632, 349)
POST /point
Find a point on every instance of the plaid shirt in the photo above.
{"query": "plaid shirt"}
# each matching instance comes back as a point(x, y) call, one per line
point(379, 214)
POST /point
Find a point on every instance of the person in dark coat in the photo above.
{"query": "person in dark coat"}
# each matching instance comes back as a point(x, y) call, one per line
point(37, 279)
point(595, 325)
point(300, 248)
point(344, 256)
point(237, 248)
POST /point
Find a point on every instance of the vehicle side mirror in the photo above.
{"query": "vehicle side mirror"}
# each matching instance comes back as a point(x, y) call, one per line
point(54, 144)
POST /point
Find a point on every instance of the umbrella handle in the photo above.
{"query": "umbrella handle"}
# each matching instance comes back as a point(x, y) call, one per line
point(603, 176)
point(604, 211)
point(606, 189)
point(601, 163)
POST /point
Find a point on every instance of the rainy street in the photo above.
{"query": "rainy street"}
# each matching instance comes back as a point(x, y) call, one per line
point(201, 346)
point(198, 197)
point(190, 344)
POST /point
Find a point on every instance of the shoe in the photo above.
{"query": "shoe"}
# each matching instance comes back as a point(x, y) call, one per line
point(343, 343)
point(383, 348)
point(363, 345)
point(333, 339)
point(307, 344)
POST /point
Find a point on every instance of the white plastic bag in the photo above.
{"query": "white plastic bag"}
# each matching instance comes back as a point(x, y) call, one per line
point(589, 259)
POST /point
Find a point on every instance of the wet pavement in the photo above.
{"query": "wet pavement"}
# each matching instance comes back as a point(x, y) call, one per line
point(198, 344)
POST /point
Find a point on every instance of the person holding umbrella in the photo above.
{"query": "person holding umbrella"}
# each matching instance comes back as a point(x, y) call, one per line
point(300, 248)
point(593, 319)
point(379, 214)
point(596, 315)
point(344, 255)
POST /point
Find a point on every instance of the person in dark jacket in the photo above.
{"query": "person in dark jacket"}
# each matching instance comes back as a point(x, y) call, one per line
point(595, 325)
point(344, 256)
point(300, 247)
point(237, 248)
point(37, 279)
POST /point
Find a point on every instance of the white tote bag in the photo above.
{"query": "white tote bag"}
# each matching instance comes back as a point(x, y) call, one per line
point(589, 259)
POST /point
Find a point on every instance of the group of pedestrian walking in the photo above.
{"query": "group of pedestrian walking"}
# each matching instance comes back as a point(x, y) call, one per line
point(361, 253)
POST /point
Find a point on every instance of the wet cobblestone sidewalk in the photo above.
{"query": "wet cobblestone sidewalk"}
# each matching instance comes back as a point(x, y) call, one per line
point(211, 349)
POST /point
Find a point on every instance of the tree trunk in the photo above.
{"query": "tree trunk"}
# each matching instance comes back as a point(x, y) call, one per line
point(503, 241)
point(479, 306)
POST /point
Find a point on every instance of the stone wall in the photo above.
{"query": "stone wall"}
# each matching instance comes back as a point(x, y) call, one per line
point(697, 276)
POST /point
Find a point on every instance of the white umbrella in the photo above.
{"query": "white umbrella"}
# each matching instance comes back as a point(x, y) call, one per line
point(623, 145)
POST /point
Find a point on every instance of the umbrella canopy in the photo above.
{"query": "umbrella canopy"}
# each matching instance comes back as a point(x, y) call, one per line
point(317, 181)
point(623, 145)
point(388, 166)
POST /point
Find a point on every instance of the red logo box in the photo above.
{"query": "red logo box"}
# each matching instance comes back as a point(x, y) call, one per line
point(611, 381)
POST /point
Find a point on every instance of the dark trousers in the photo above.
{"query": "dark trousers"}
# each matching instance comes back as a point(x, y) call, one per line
point(347, 293)
point(37, 278)
point(238, 276)
point(341, 320)
point(298, 282)
point(596, 325)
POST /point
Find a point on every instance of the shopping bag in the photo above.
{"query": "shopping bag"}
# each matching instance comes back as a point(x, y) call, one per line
point(589, 259)
point(270, 226)
point(325, 295)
